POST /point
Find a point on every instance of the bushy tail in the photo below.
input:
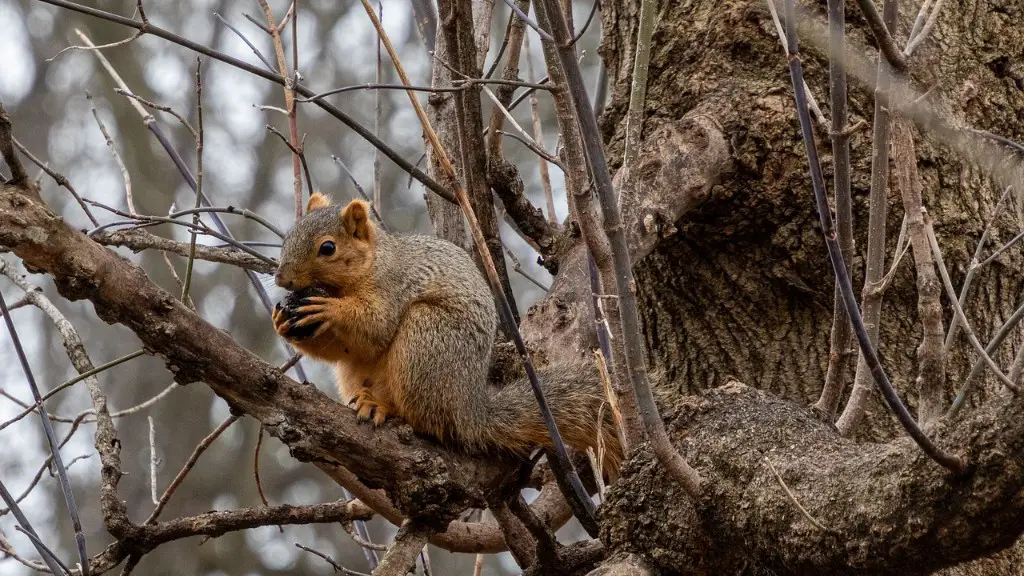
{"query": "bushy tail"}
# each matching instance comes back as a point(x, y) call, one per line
point(576, 397)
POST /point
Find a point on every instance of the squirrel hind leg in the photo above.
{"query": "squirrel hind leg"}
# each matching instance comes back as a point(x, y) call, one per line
point(350, 379)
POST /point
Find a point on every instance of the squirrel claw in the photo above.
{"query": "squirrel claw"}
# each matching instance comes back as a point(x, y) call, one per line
point(368, 409)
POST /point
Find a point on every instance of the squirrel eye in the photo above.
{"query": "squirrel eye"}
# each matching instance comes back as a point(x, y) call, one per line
point(327, 248)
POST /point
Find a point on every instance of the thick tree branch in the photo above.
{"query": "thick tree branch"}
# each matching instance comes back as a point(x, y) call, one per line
point(889, 508)
point(423, 480)
point(139, 240)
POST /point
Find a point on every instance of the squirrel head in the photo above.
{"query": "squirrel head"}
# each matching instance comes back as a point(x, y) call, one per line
point(330, 246)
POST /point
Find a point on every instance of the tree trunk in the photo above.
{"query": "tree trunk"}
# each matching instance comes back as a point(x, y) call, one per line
point(740, 286)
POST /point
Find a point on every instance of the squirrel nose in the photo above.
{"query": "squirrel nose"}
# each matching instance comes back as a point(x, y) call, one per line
point(283, 282)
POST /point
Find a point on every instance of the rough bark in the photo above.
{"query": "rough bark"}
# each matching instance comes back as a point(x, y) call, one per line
point(887, 509)
point(744, 287)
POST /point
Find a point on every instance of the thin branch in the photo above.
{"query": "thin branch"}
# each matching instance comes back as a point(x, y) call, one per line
point(1010, 244)
point(337, 567)
point(931, 358)
point(546, 544)
point(514, 37)
point(953, 463)
point(841, 350)
point(199, 183)
point(152, 461)
point(34, 538)
point(954, 325)
point(525, 18)
point(586, 24)
point(254, 49)
point(632, 344)
point(538, 136)
point(1004, 331)
point(138, 240)
point(151, 220)
point(200, 448)
point(289, 96)
point(62, 474)
point(363, 132)
point(256, 466)
point(359, 189)
point(18, 174)
point(298, 151)
point(532, 145)
point(875, 260)
point(244, 212)
point(951, 293)
point(916, 40)
point(378, 112)
point(792, 497)
point(59, 178)
point(881, 30)
point(117, 157)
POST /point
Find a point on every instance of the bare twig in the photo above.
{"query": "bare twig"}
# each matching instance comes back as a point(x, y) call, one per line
point(254, 49)
point(298, 151)
point(954, 325)
point(882, 32)
point(546, 544)
point(200, 448)
point(951, 293)
point(18, 174)
point(1018, 364)
point(152, 461)
point(363, 132)
point(360, 191)
point(61, 180)
point(514, 41)
point(525, 18)
point(62, 474)
point(51, 560)
point(117, 157)
point(138, 240)
point(199, 182)
point(931, 360)
point(358, 539)
point(633, 347)
point(841, 351)
point(839, 265)
point(916, 40)
point(875, 260)
point(538, 136)
point(289, 96)
point(337, 567)
point(792, 497)
point(256, 466)
point(378, 112)
point(160, 107)
point(534, 147)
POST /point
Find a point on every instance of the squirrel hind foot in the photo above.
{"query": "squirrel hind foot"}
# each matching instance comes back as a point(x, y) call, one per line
point(368, 408)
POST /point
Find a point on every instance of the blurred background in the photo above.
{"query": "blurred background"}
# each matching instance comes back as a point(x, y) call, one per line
point(244, 165)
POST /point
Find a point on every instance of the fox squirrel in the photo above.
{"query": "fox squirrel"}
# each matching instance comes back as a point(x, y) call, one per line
point(409, 323)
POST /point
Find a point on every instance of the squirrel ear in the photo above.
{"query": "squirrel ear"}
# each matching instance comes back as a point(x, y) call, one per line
point(317, 200)
point(356, 219)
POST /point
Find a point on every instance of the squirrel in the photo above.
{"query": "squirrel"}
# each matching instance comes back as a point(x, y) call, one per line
point(409, 323)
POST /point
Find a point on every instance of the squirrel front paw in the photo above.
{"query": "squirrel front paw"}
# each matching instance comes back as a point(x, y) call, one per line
point(288, 313)
point(313, 314)
point(367, 407)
